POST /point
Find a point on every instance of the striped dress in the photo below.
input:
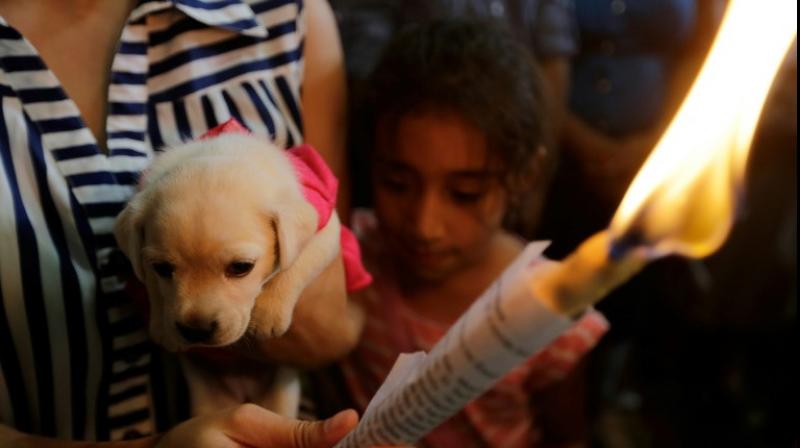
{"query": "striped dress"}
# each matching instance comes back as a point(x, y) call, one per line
point(503, 417)
point(75, 360)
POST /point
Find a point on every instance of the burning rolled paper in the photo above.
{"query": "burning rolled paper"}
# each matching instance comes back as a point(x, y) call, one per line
point(588, 275)
point(682, 202)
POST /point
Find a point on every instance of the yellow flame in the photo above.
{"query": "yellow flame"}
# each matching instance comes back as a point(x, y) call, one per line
point(683, 199)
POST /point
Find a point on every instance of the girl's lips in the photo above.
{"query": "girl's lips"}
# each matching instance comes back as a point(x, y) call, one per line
point(427, 256)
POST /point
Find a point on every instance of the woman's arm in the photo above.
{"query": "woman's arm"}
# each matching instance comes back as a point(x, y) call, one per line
point(324, 95)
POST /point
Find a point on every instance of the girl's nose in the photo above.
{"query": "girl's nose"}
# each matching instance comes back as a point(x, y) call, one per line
point(429, 225)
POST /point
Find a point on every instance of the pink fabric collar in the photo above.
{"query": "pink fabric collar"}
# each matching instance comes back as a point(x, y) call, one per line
point(318, 182)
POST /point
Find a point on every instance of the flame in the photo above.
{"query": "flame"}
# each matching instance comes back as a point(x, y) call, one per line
point(684, 198)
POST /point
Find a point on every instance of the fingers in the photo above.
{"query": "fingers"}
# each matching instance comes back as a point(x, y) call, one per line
point(253, 425)
point(323, 434)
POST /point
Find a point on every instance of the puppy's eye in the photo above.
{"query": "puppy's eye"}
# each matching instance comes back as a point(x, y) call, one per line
point(164, 269)
point(239, 268)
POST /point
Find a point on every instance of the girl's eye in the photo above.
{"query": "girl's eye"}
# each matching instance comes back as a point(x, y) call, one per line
point(466, 197)
point(394, 184)
point(239, 268)
point(164, 269)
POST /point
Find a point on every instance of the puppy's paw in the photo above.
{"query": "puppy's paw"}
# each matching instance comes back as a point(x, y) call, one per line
point(270, 321)
point(279, 328)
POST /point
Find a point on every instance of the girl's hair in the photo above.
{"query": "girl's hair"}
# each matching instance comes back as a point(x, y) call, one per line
point(476, 70)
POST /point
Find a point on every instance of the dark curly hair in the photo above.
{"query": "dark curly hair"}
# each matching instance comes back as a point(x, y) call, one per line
point(478, 71)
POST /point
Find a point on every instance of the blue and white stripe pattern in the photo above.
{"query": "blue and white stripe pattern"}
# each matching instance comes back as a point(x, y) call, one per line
point(75, 361)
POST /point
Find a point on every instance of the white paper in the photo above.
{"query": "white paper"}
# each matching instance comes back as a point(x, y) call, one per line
point(403, 370)
point(502, 329)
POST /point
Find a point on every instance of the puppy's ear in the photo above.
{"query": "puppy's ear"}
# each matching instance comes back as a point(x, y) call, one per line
point(129, 232)
point(294, 224)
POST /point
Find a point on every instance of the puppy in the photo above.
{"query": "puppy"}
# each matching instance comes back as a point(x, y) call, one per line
point(225, 243)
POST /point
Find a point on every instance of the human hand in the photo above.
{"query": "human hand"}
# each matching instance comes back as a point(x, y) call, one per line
point(252, 426)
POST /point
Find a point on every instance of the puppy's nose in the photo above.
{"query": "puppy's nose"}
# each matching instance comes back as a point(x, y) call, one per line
point(195, 334)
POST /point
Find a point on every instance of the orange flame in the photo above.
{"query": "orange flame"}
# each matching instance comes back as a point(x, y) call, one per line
point(684, 198)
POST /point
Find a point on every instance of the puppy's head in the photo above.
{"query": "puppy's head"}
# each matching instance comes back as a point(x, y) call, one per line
point(215, 220)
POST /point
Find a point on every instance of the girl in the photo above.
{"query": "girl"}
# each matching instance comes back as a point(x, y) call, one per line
point(458, 148)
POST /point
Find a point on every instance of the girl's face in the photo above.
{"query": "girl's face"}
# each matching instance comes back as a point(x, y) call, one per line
point(438, 200)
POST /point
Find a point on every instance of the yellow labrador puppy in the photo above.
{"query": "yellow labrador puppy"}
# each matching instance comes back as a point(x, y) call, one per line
point(226, 244)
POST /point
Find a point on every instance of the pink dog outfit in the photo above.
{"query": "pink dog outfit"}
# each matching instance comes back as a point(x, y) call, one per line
point(319, 187)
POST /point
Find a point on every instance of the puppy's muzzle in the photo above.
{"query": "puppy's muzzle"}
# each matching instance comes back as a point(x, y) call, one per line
point(198, 333)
